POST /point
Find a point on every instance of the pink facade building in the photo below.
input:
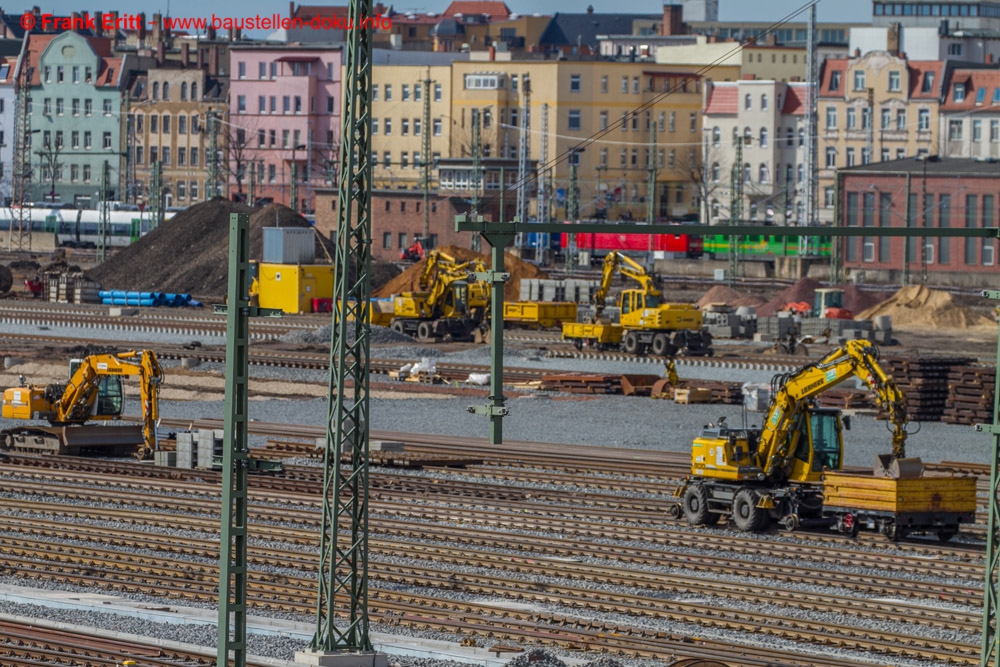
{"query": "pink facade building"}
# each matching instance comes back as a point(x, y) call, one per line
point(284, 119)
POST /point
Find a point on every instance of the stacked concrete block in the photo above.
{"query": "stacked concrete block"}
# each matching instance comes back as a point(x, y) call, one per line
point(570, 289)
point(185, 449)
point(209, 446)
point(165, 459)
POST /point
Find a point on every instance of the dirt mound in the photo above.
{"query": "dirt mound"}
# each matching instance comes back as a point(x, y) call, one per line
point(408, 280)
point(919, 306)
point(730, 297)
point(804, 290)
point(190, 252)
point(383, 272)
point(857, 300)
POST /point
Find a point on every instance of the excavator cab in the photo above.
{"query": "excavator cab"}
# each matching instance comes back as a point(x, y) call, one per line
point(820, 444)
point(456, 301)
point(110, 398)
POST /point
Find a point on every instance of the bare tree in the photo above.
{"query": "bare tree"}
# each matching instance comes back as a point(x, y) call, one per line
point(50, 165)
point(708, 172)
point(239, 156)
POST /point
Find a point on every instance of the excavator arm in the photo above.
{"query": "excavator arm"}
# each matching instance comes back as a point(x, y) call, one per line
point(632, 269)
point(858, 358)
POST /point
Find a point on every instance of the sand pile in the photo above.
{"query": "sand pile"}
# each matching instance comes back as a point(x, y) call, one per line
point(919, 306)
point(190, 252)
point(409, 279)
point(730, 297)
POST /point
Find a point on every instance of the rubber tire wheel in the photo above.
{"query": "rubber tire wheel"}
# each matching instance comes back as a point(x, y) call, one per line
point(398, 327)
point(695, 503)
point(660, 344)
point(746, 515)
point(631, 343)
point(578, 343)
point(425, 331)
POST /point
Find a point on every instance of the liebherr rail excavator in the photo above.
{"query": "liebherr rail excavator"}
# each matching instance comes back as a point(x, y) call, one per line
point(789, 471)
point(93, 393)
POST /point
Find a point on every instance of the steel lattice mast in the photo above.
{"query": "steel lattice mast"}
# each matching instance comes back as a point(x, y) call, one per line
point(343, 571)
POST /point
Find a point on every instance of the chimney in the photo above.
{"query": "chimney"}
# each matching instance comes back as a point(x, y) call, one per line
point(771, 39)
point(857, 53)
point(211, 33)
point(213, 60)
point(157, 37)
point(99, 24)
point(161, 53)
point(239, 34)
point(230, 35)
point(75, 22)
point(201, 57)
point(590, 9)
point(142, 28)
point(185, 54)
point(892, 39)
point(493, 53)
point(673, 20)
point(989, 58)
point(291, 9)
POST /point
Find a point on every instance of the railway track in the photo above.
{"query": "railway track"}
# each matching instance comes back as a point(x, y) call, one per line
point(533, 524)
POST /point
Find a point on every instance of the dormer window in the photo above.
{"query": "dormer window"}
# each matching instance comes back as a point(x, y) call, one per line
point(959, 92)
point(835, 81)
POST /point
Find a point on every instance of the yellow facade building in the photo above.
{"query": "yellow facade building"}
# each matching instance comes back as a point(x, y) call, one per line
point(607, 111)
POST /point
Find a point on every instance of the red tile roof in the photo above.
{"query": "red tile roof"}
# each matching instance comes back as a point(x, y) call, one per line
point(795, 99)
point(491, 8)
point(723, 99)
point(308, 12)
point(830, 66)
point(987, 80)
point(918, 70)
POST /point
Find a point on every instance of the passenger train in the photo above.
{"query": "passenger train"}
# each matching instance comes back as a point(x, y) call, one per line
point(79, 228)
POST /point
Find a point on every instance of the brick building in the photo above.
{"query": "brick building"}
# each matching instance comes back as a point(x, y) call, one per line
point(398, 218)
point(921, 192)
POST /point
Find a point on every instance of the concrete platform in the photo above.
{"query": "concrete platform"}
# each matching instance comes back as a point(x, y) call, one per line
point(384, 644)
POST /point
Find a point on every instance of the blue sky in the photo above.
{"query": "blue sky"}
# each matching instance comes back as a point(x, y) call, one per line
point(729, 10)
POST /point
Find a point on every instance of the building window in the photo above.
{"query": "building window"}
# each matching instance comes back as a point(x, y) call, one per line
point(958, 92)
point(927, 86)
point(977, 130)
point(181, 156)
point(885, 121)
point(388, 92)
point(834, 81)
point(831, 118)
point(763, 176)
point(388, 127)
point(241, 68)
point(831, 158)
point(763, 102)
point(625, 85)
point(60, 108)
point(574, 83)
point(859, 80)
point(437, 92)
point(955, 49)
point(852, 119)
point(574, 119)
point(954, 130)
point(375, 92)
point(241, 104)
point(763, 137)
point(405, 127)
point(604, 84)
point(418, 92)
point(107, 141)
point(387, 159)
point(924, 120)
point(747, 102)
point(87, 141)
point(386, 240)
point(182, 187)
point(438, 127)
point(828, 197)
point(635, 85)
point(672, 124)
point(850, 157)
point(194, 189)
point(900, 119)
point(894, 82)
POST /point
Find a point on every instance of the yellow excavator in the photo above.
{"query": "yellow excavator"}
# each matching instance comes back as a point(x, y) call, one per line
point(646, 324)
point(782, 472)
point(448, 306)
point(94, 392)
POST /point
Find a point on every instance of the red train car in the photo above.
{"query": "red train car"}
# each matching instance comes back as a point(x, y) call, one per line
point(674, 245)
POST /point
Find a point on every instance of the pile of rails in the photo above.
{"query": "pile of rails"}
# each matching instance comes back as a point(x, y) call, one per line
point(147, 299)
point(656, 386)
point(971, 395)
point(924, 382)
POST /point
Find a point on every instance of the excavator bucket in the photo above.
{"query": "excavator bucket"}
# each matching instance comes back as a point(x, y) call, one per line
point(102, 436)
point(886, 466)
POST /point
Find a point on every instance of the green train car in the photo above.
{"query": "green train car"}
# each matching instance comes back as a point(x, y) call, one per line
point(764, 245)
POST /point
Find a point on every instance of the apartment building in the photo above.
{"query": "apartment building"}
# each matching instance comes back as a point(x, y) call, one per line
point(606, 111)
point(970, 114)
point(875, 108)
point(75, 87)
point(172, 112)
point(402, 82)
point(284, 119)
point(768, 121)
